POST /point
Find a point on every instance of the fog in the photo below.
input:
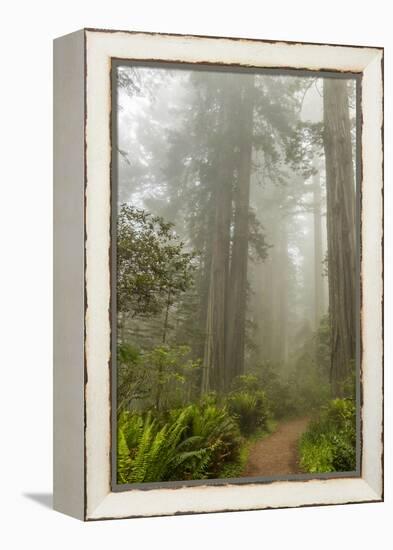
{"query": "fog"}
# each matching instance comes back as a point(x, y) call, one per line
point(165, 125)
point(235, 262)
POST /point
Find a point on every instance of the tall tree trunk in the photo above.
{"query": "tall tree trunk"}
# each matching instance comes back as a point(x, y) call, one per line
point(203, 283)
point(214, 366)
point(214, 356)
point(340, 190)
point(237, 298)
point(268, 311)
point(277, 287)
point(282, 328)
point(262, 306)
point(318, 272)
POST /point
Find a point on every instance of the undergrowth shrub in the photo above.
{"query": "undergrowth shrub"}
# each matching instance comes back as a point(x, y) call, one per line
point(131, 383)
point(283, 401)
point(162, 378)
point(147, 451)
point(193, 443)
point(329, 445)
point(292, 393)
point(250, 409)
point(210, 426)
point(300, 386)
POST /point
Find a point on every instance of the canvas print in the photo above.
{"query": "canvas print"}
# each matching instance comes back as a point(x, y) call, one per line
point(235, 270)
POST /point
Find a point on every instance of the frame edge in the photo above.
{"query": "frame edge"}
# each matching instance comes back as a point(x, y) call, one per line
point(68, 289)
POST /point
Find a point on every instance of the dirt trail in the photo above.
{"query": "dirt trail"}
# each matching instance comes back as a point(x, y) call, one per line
point(277, 454)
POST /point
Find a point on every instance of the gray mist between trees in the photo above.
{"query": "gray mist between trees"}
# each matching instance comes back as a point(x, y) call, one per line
point(236, 273)
point(256, 174)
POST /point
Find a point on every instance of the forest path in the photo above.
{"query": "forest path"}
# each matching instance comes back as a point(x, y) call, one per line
point(277, 454)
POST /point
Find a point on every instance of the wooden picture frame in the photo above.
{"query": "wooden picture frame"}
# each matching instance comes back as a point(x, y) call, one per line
point(83, 387)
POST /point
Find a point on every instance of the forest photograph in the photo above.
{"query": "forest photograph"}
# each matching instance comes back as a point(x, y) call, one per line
point(236, 273)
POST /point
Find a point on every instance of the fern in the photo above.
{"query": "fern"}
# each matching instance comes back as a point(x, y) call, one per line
point(194, 443)
point(250, 410)
point(123, 458)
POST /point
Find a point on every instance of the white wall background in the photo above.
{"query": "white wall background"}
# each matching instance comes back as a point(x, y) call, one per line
point(26, 270)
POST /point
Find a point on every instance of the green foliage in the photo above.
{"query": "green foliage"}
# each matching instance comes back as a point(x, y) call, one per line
point(173, 375)
point(316, 457)
point(211, 427)
point(193, 443)
point(152, 265)
point(349, 384)
point(283, 399)
point(279, 392)
point(322, 345)
point(294, 393)
point(147, 452)
point(257, 239)
point(126, 354)
point(346, 388)
point(306, 387)
point(304, 144)
point(329, 445)
point(132, 380)
point(163, 377)
point(248, 405)
point(309, 388)
point(246, 382)
point(312, 369)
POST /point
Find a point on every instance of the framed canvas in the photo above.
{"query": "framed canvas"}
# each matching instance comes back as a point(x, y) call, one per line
point(218, 269)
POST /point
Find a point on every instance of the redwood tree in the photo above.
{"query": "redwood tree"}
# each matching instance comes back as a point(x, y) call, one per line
point(215, 369)
point(340, 190)
point(237, 298)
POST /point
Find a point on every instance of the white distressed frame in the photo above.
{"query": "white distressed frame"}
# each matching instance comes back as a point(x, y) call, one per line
point(100, 502)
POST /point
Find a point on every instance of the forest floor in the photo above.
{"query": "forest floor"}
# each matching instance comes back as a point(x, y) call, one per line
point(278, 453)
